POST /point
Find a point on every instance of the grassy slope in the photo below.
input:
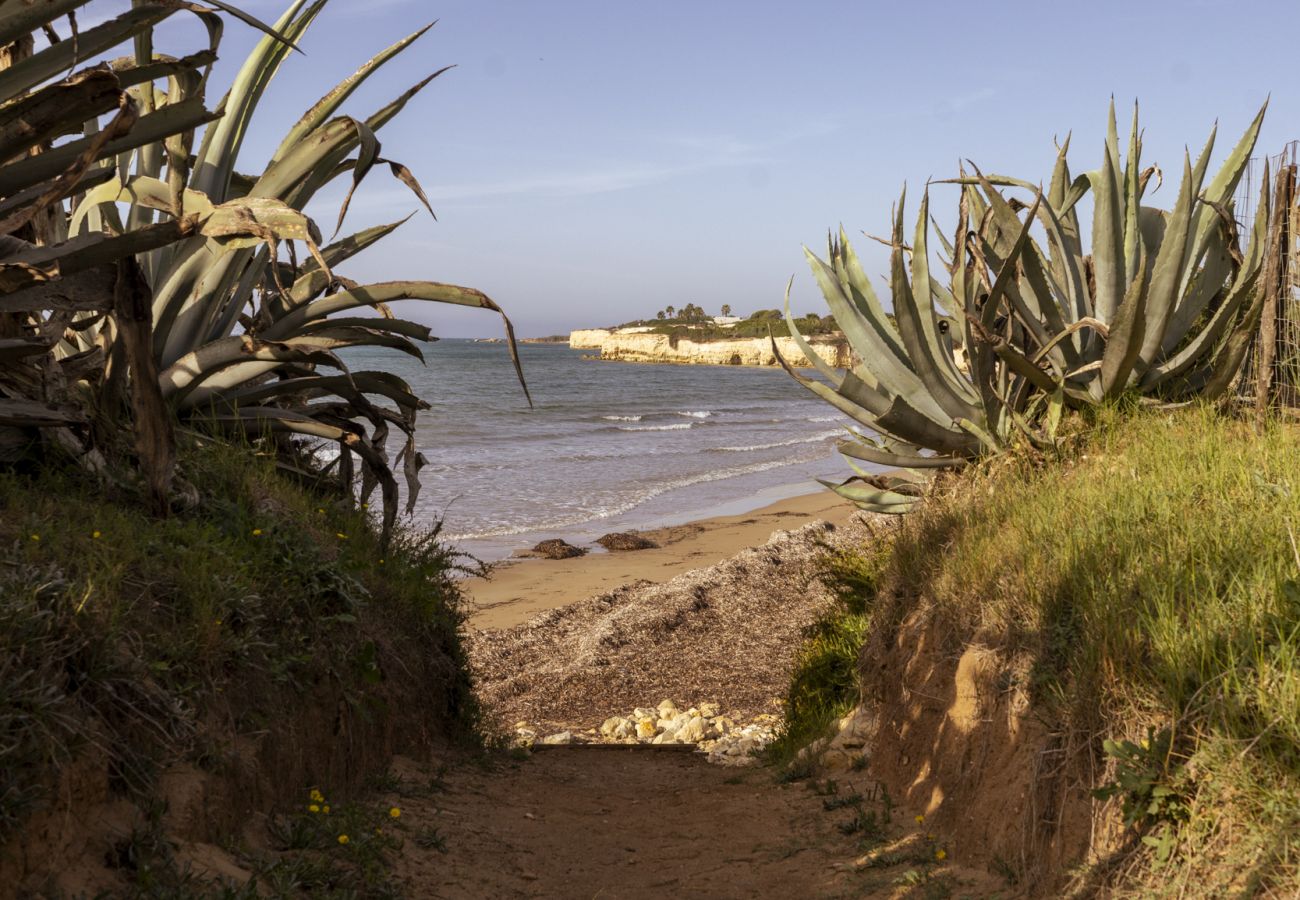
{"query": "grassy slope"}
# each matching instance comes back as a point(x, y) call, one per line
point(1148, 583)
point(264, 617)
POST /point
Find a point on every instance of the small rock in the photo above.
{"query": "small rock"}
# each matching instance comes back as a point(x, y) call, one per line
point(558, 549)
point(610, 725)
point(644, 712)
point(625, 540)
point(560, 737)
point(645, 728)
point(692, 731)
point(709, 710)
point(626, 729)
point(666, 706)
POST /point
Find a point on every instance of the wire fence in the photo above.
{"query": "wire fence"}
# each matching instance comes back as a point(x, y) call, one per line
point(1270, 376)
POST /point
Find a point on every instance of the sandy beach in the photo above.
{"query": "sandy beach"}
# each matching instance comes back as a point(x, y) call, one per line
point(518, 590)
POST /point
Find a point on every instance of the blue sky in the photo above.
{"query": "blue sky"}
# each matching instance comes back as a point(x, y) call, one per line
point(592, 162)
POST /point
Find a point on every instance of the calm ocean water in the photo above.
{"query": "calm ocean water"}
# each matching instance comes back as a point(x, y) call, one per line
point(608, 446)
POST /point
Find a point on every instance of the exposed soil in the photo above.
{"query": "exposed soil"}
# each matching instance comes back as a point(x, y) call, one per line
point(632, 823)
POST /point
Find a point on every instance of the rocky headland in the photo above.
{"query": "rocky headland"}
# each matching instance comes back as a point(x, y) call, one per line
point(640, 345)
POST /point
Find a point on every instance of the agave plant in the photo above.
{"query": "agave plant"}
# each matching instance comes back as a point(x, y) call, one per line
point(56, 289)
point(239, 335)
point(1163, 307)
point(188, 281)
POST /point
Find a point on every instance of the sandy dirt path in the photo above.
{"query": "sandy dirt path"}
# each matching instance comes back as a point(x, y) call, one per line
point(622, 824)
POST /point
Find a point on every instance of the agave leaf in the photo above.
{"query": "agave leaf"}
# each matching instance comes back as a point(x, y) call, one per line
point(1127, 333)
point(326, 106)
point(57, 58)
point(934, 365)
point(1107, 242)
point(384, 384)
point(1132, 201)
point(873, 499)
point(221, 143)
point(1166, 275)
point(859, 289)
point(828, 372)
point(873, 454)
point(140, 190)
point(148, 129)
point(57, 110)
point(252, 221)
point(1242, 290)
point(388, 292)
point(31, 414)
point(893, 372)
point(20, 19)
point(212, 363)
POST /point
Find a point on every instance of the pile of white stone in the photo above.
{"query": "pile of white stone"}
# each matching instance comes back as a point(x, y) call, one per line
point(725, 741)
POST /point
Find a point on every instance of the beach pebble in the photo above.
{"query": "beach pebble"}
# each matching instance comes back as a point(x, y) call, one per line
point(719, 738)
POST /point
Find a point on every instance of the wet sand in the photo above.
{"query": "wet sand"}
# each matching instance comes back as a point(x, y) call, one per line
point(520, 589)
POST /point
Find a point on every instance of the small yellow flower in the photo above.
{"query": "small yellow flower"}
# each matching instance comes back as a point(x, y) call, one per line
point(216, 622)
point(343, 838)
point(257, 532)
point(340, 535)
point(920, 820)
point(320, 510)
point(326, 809)
point(394, 813)
point(317, 796)
point(381, 562)
point(36, 537)
point(313, 808)
point(365, 506)
point(95, 535)
point(941, 855)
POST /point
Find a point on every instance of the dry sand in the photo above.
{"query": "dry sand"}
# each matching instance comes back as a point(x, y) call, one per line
point(517, 591)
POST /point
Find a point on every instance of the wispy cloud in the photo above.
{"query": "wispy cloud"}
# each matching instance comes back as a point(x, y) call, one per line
point(686, 155)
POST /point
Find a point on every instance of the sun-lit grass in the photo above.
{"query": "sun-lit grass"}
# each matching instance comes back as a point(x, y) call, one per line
point(824, 685)
point(1151, 574)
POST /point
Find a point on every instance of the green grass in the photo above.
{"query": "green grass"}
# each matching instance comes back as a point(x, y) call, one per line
point(260, 608)
point(1151, 576)
point(824, 685)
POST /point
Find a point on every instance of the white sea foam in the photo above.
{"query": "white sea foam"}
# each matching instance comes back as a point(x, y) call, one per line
point(621, 418)
point(626, 504)
point(809, 439)
point(681, 427)
point(699, 414)
point(825, 418)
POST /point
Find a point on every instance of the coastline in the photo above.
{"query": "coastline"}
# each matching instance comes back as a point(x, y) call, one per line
point(518, 590)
